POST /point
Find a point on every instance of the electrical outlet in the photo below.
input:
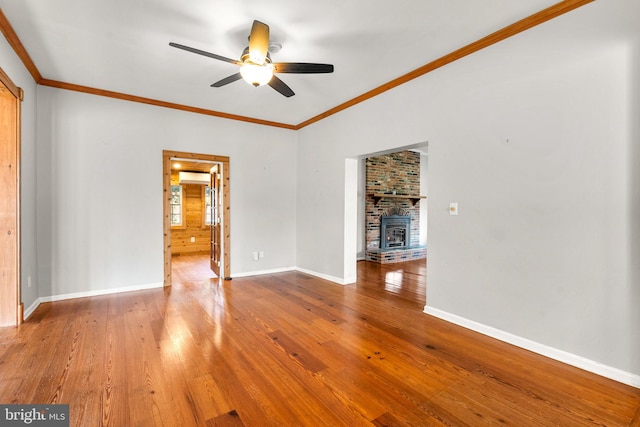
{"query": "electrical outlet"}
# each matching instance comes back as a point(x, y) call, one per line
point(261, 254)
point(256, 256)
point(193, 239)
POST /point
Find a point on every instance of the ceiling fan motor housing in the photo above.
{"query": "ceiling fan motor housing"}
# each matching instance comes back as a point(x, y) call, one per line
point(244, 58)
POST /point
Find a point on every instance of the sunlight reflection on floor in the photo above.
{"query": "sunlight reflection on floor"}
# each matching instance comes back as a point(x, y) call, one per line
point(393, 281)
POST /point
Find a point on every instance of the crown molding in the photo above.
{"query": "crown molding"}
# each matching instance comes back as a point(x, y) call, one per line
point(527, 23)
point(18, 47)
point(502, 34)
point(159, 103)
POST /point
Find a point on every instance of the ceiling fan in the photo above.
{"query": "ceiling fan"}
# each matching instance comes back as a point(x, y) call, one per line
point(255, 63)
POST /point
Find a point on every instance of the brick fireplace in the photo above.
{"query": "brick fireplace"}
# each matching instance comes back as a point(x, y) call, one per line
point(393, 208)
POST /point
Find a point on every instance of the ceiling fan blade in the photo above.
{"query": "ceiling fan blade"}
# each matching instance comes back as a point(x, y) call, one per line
point(259, 42)
point(232, 78)
point(202, 52)
point(281, 87)
point(301, 68)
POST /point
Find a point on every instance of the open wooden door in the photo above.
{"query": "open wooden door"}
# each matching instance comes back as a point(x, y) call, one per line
point(216, 226)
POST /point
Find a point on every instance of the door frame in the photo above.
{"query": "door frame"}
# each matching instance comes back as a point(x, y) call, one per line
point(225, 213)
point(11, 307)
point(215, 244)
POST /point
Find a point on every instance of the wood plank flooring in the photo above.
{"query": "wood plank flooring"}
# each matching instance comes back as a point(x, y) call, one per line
point(289, 349)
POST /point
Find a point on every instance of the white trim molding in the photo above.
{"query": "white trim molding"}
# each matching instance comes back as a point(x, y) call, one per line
point(100, 292)
point(544, 350)
point(345, 281)
point(29, 311)
point(262, 272)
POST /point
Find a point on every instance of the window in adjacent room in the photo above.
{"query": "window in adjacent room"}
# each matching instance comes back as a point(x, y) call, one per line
point(175, 206)
point(207, 206)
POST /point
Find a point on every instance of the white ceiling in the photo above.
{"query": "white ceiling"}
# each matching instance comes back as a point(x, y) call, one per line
point(122, 45)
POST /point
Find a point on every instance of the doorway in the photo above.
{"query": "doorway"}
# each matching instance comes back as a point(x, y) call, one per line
point(220, 236)
point(10, 97)
point(367, 208)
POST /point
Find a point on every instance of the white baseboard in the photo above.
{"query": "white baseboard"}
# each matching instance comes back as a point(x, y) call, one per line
point(345, 281)
point(101, 292)
point(544, 350)
point(29, 311)
point(262, 272)
point(61, 297)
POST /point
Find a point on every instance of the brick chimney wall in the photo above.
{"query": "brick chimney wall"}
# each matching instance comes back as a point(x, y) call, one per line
point(399, 172)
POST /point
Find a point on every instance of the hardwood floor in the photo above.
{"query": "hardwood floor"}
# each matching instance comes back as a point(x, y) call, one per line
point(293, 350)
point(191, 268)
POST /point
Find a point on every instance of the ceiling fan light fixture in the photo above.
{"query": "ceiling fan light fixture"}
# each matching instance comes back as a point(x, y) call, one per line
point(256, 75)
point(255, 63)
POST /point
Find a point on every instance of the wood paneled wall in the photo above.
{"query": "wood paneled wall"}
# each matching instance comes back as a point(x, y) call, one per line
point(193, 212)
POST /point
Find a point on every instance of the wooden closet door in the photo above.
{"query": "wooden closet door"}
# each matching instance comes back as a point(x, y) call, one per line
point(9, 205)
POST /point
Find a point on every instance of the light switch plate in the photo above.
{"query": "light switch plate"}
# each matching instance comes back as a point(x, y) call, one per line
point(453, 209)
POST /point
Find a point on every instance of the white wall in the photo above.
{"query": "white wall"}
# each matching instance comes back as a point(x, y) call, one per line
point(532, 139)
point(424, 203)
point(633, 217)
point(361, 210)
point(16, 71)
point(100, 190)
